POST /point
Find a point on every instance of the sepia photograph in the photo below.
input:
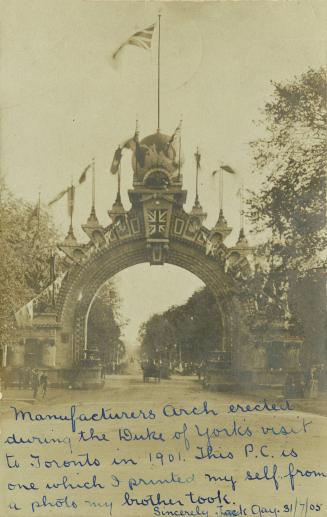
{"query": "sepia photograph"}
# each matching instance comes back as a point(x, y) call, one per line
point(163, 253)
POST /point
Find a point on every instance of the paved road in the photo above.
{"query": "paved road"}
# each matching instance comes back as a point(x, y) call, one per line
point(165, 449)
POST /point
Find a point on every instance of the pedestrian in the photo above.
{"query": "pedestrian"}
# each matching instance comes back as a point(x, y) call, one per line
point(312, 384)
point(27, 377)
point(20, 378)
point(44, 384)
point(35, 383)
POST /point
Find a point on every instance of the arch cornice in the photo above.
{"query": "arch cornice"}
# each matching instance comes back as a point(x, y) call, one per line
point(84, 277)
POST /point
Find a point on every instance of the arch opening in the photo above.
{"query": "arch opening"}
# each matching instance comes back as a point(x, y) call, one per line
point(164, 314)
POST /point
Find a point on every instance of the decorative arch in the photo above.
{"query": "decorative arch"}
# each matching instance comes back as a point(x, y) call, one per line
point(85, 279)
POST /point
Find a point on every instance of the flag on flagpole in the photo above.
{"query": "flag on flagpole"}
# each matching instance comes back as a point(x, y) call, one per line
point(176, 134)
point(142, 39)
point(228, 169)
point(59, 196)
point(83, 175)
point(225, 168)
point(197, 156)
point(116, 160)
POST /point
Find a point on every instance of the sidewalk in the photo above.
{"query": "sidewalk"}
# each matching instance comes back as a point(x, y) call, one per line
point(13, 396)
point(24, 398)
point(317, 406)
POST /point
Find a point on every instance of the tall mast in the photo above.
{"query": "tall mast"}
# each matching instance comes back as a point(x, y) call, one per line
point(180, 148)
point(159, 17)
point(221, 189)
point(242, 207)
point(118, 186)
point(93, 186)
point(197, 160)
point(38, 212)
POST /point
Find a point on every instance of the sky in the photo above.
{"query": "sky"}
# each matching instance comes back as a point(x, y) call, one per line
point(63, 102)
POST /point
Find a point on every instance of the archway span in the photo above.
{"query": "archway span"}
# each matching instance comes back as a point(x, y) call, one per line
point(86, 279)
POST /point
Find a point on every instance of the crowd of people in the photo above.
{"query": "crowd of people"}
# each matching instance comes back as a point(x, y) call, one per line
point(28, 378)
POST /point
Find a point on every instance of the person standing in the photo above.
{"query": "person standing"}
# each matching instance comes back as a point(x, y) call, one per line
point(35, 383)
point(44, 384)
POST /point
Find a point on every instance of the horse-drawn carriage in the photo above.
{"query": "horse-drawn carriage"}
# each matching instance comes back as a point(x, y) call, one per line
point(151, 370)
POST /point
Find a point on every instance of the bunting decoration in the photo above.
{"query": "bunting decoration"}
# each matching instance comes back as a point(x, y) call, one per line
point(25, 315)
point(141, 39)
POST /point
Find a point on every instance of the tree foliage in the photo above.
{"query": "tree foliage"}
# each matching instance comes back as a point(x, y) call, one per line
point(191, 330)
point(289, 206)
point(105, 324)
point(27, 236)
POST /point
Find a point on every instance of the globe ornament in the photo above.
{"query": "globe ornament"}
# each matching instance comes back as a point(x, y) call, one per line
point(157, 161)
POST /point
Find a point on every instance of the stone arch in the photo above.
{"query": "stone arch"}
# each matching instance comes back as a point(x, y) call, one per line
point(86, 278)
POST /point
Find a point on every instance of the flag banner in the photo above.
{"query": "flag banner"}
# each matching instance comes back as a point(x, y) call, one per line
point(71, 196)
point(197, 156)
point(228, 169)
point(83, 175)
point(59, 196)
point(116, 161)
point(24, 316)
point(175, 135)
point(134, 145)
point(130, 143)
point(142, 39)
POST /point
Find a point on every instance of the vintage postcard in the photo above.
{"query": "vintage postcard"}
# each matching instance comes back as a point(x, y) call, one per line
point(163, 258)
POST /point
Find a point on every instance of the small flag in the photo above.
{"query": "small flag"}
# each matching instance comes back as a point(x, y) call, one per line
point(59, 196)
point(133, 145)
point(142, 39)
point(227, 168)
point(116, 161)
point(176, 134)
point(197, 156)
point(83, 175)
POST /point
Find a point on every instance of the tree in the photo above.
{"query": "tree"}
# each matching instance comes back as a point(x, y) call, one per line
point(288, 209)
point(105, 323)
point(191, 330)
point(27, 236)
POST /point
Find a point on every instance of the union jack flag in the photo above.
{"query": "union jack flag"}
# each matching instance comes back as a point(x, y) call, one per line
point(142, 39)
point(157, 220)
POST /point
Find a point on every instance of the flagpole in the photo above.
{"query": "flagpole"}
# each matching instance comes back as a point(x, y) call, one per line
point(119, 178)
point(159, 17)
point(221, 189)
point(93, 184)
point(71, 201)
point(197, 178)
point(52, 275)
point(241, 208)
point(38, 212)
point(179, 150)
